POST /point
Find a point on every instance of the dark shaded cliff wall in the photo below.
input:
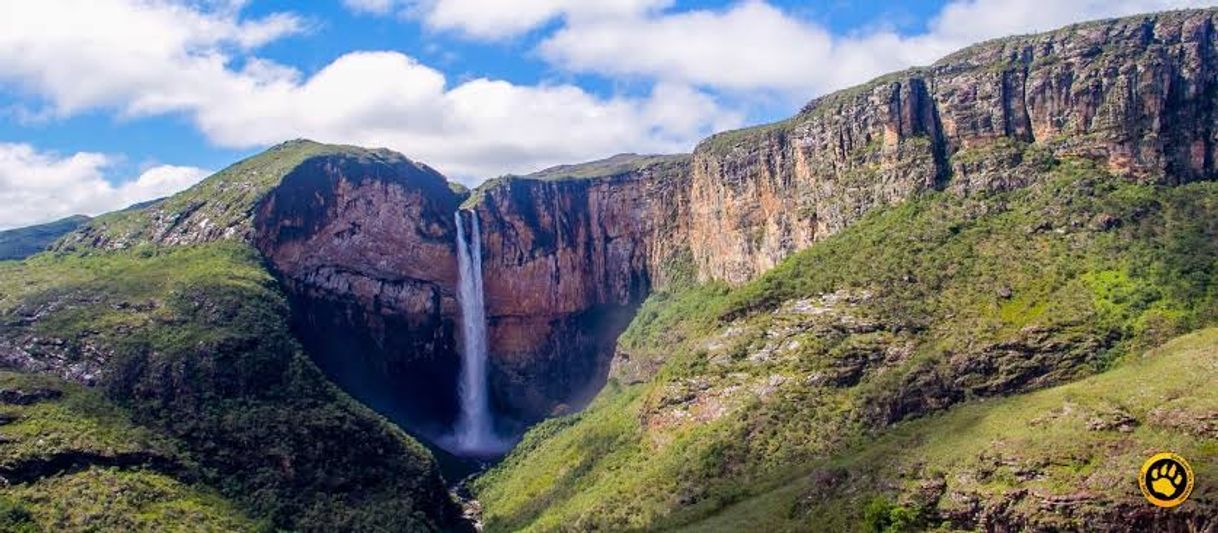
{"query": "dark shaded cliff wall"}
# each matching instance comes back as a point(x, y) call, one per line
point(365, 250)
point(1138, 94)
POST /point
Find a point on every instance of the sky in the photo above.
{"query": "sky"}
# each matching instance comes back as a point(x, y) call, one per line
point(105, 103)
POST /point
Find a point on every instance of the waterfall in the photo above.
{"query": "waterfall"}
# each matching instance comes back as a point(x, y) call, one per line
point(474, 433)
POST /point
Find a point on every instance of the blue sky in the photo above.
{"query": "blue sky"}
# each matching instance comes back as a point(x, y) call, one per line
point(107, 102)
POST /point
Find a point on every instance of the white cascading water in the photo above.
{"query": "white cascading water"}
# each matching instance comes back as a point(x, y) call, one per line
point(474, 432)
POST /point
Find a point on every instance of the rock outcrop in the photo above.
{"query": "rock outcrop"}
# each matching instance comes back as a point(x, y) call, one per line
point(1136, 93)
point(364, 244)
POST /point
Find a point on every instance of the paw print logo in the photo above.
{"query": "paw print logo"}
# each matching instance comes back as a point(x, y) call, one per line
point(1166, 479)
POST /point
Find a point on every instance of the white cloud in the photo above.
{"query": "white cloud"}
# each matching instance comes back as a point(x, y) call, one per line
point(748, 46)
point(966, 21)
point(478, 129)
point(376, 7)
point(497, 19)
point(492, 19)
point(184, 63)
point(39, 186)
point(147, 55)
point(754, 46)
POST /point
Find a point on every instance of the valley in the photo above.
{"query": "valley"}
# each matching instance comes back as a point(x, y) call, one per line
point(971, 295)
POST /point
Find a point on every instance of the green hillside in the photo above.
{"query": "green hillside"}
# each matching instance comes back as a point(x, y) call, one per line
point(20, 243)
point(191, 344)
point(618, 164)
point(941, 301)
point(73, 461)
point(1077, 446)
point(219, 207)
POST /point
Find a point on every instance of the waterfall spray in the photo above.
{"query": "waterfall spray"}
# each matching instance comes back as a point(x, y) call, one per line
point(474, 432)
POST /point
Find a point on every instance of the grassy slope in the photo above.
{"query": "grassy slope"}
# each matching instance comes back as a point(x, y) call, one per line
point(1050, 442)
point(197, 350)
point(230, 193)
point(962, 299)
point(618, 164)
point(225, 199)
point(20, 243)
point(141, 494)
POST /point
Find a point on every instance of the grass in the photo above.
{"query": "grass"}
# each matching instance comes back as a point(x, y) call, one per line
point(222, 205)
point(81, 422)
point(1048, 438)
point(616, 165)
point(82, 431)
point(191, 344)
point(963, 299)
point(107, 499)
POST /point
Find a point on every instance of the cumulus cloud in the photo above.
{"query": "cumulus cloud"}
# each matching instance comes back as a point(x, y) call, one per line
point(38, 186)
point(145, 55)
point(751, 45)
point(146, 58)
point(496, 19)
point(964, 22)
point(478, 129)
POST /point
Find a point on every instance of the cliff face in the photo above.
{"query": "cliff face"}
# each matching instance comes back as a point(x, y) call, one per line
point(364, 247)
point(566, 261)
point(1137, 94)
point(362, 242)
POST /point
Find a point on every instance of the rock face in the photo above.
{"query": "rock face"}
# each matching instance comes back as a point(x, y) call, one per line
point(364, 245)
point(1136, 93)
point(362, 241)
point(566, 261)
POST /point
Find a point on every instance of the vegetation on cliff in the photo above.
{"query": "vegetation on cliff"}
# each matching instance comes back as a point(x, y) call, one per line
point(72, 460)
point(612, 166)
point(223, 205)
point(961, 298)
point(191, 344)
point(1054, 459)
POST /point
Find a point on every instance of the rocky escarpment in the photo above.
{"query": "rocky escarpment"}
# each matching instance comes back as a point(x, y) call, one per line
point(1137, 94)
point(363, 243)
point(568, 255)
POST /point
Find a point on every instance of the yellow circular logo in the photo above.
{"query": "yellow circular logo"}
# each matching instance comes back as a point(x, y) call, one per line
point(1166, 479)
